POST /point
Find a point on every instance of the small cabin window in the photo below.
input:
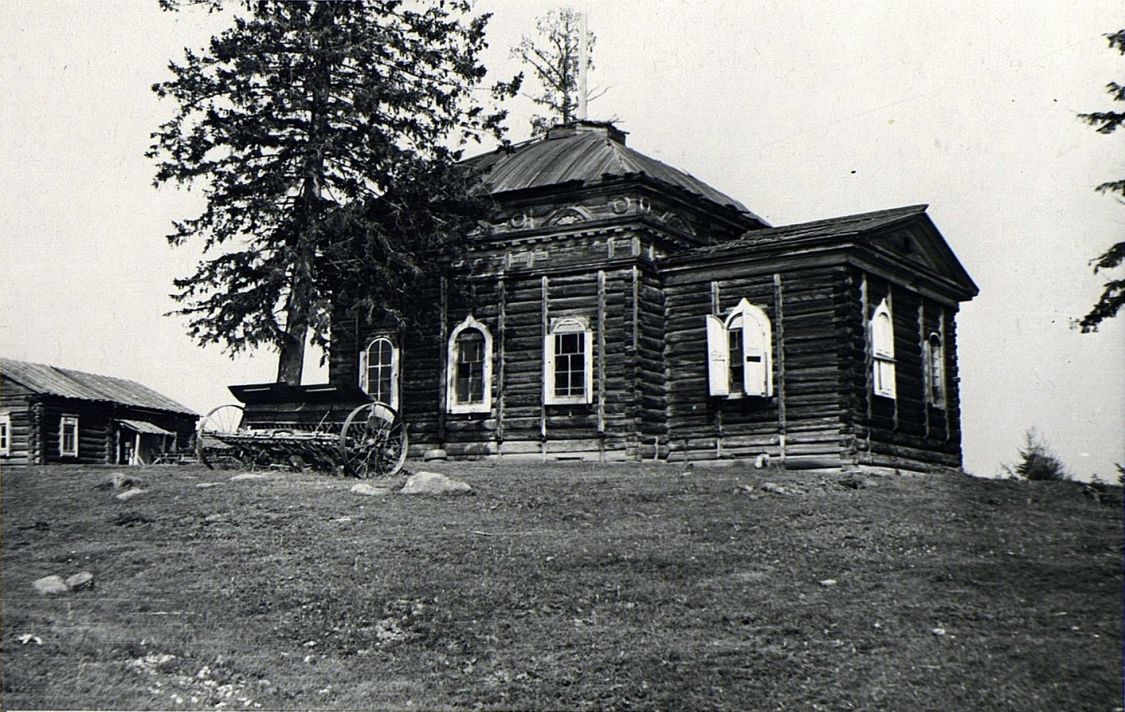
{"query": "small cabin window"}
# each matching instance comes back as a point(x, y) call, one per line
point(935, 371)
point(568, 362)
point(68, 436)
point(882, 334)
point(5, 434)
point(469, 368)
point(740, 353)
point(378, 370)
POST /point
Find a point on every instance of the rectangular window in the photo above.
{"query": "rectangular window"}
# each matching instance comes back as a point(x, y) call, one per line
point(68, 436)
point(568, 362)
point(470, 368)
point(570, 366)
point(5, 434)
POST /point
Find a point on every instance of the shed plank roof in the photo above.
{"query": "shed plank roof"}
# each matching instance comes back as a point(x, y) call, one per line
point(67, 383)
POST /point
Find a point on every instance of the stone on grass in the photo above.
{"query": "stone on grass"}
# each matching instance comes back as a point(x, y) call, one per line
point(762, 461)
point(208, 485)
point(249, 476)
point(120, 481)
point(127, 495)
point(434, 483)
point(80, 581)
point(827, 583)
point(369, 490)
point(773, 488)
point(50, 585)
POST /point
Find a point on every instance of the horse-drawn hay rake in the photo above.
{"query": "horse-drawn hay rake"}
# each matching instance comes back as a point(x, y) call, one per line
point(328, 428)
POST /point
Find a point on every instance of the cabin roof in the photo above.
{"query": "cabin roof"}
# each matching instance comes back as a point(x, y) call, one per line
point(67, 383)
point(585, 153)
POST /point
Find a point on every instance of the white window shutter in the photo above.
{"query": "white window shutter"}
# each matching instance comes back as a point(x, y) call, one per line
point(588, 339)
point(363, 370)
point(718, 357)
point(549, 368)
point(756, 367)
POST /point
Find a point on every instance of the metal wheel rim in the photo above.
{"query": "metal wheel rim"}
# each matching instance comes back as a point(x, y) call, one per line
point(222, 419)
point(373, 442)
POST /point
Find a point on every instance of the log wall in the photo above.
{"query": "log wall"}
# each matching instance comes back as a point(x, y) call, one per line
point(800, 424)
point(909, 431)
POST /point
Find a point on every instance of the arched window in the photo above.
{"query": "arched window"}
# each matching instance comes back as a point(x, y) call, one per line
point(568, 364)
point(740, 353)
point(935, 371)
point(378, 370)
point(882, 331)
point(469, 368)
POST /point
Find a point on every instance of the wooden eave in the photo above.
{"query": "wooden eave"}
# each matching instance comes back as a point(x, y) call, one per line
point(863, 248)
point(612, 186)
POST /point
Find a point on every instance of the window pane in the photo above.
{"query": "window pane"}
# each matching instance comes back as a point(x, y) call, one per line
point(469, 383)
point(736, 361)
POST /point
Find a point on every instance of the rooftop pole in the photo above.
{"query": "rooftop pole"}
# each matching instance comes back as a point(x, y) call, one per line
point(582, 60)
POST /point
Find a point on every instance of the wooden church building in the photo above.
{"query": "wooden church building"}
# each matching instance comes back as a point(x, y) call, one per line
point(624, 310)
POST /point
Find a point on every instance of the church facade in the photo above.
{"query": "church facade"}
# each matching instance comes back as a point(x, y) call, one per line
point(621, 309)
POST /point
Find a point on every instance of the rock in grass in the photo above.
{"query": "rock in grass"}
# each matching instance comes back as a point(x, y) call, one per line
point(120, 481)
point(50, 585)
point(127, 495)
point(369, 490)
point(434, 483)
point(208, 485)
point(773, 488)
point(827, 583)
point(249, 476)
point(80, 581)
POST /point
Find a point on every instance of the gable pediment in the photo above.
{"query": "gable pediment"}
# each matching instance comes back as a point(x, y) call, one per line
point(919, 246)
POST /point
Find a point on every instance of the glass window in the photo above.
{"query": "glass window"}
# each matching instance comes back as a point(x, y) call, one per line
point(5, 434)
point(739, 353)
point(936, 371)
point(379, 371)
point(469, 368)
point(568, 366)
point(68, 436)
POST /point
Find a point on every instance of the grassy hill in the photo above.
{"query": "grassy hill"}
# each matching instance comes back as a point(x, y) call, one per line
point(562, 586)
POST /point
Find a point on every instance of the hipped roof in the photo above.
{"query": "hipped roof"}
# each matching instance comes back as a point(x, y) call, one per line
point(67, 383)
point(585, 153)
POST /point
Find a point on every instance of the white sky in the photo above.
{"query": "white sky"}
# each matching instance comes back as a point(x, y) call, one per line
point(800, 110)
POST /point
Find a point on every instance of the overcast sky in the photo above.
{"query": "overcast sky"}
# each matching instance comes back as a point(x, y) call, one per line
point(799, 110)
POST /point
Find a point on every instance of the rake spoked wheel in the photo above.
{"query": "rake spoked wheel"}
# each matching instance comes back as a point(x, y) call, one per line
point(373, 442)
point(225, 419)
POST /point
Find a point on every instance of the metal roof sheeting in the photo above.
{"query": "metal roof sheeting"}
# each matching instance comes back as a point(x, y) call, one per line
point(66, 383)
point(832, 227)
point(144, 427)
point(585, 153)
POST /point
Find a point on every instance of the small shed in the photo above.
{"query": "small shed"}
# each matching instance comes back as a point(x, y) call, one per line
point(57, 415)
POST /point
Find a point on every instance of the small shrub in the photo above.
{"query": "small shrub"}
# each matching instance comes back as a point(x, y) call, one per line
point(1037, 462)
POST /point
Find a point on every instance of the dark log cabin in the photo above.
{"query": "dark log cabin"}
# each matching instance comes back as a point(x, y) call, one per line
point(621, 309)
point(58, 415)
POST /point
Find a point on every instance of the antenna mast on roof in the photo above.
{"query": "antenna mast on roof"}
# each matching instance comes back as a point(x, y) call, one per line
point(582, 60)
